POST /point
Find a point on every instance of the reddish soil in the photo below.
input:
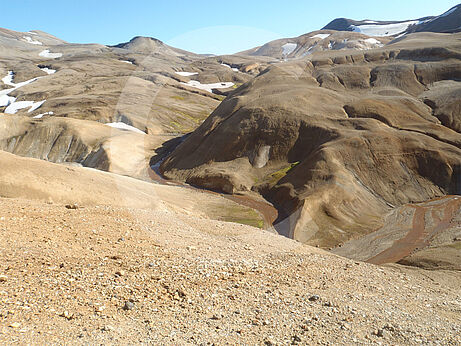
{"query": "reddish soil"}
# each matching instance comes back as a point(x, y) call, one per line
point(420, 235)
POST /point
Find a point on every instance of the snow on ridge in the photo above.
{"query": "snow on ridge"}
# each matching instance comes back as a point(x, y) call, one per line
point(321, 36)
point(448, 12)
point(288, 48)
point(186, 74)
point(47, 54)
point(383, 30)
point(32, 41)
point(48, 70)
point(208, 87)
point(127, 62)
point(126, 127)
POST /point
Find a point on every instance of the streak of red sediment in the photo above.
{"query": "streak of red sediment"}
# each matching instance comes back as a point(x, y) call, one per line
point(420, 235)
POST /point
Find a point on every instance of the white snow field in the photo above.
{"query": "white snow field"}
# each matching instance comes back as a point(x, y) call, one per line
point(15, 106)
point(32, 41)
point(288, 48)
point(48, 70)
point(208, 87)
point(47, 54)
point(127, 62)
point(186, 74)
point(383, 30)
point(126, 127)
point(321, 36)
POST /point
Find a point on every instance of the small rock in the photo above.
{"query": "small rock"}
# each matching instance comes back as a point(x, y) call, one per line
point(108, 328)
point(379, 333)
point(191, 248)
point(295, 339)
point(67, 315)
point(120, 273)
point(3, 278)
point(128, 305)
point(72, 206)
point(15, 325)
point(314, 298)
point(216, 317)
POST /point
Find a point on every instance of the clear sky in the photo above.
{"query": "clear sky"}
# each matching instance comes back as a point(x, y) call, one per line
point(201, 26)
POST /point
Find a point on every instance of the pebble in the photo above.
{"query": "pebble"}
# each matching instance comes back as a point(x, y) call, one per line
point(15, 325)
point(108, 328)
point(314, 298)
point(120, 273)
point(3, 278)
point(128, 305)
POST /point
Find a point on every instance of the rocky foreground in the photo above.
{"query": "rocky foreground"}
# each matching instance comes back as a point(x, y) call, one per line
point(79, 275)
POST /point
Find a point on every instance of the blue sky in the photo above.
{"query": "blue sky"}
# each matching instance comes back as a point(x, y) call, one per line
point(218, 27)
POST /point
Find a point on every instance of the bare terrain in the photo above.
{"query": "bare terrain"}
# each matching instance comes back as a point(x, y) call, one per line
point(101, 274)
point(307, 191)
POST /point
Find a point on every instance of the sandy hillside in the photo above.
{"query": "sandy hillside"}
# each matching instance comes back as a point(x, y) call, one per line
point(119, 275)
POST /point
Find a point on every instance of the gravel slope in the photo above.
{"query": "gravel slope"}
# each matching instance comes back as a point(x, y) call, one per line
point(118, 275)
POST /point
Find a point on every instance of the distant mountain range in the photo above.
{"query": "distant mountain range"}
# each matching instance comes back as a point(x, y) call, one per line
point(448, 22)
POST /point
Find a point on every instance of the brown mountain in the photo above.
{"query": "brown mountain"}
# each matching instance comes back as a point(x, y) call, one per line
point(337, 140)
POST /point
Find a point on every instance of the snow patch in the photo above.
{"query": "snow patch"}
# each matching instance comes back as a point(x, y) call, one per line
point(8, 79)
point(373, 41)
point(32, 41)
point(48, 70)
point(321, 36)
point(208, 87)
point(6, 100)
point(186, 74)
point(383, 30)
point(47, 54)
point(232, 68)
point(39, 116)
point(126, 127)
point(10, 102)
point(288, 48)
point(127, 62)
point(15, 106)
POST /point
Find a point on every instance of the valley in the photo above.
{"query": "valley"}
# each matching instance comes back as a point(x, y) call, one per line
point(305, 191)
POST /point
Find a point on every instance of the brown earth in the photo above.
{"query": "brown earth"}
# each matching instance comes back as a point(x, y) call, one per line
point(67, 275)
point(338, 140)
point(423, 234)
